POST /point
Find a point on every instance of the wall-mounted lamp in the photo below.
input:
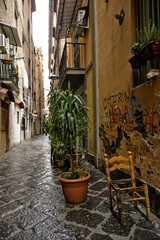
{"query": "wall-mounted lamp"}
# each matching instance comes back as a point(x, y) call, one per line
point(105, 0)
point(120, 17)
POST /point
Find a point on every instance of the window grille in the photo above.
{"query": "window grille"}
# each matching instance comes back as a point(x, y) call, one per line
point(146, 11)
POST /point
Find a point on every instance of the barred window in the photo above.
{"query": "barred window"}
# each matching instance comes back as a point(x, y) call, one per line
point(146, 11)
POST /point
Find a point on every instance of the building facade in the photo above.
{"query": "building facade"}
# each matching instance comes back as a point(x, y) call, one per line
point(16, 72)
point(93, 41)
point(38, 93)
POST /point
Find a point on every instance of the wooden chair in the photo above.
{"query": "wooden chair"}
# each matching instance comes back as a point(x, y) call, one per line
point(115, 190)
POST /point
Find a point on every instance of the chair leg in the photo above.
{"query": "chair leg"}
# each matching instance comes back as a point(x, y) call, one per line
point(148, 211)
point(111, 197)
point(111, 200)
point(135, 202)
point(120, 210)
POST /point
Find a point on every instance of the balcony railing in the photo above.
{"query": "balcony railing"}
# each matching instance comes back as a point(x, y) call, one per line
point(8, 72)
point(73, 58)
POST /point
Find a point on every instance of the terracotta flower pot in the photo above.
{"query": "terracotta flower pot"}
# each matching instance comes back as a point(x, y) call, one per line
point(156, 47)
point(60, 163)
point(151, 49)
point(75, 190)
point(7, 61)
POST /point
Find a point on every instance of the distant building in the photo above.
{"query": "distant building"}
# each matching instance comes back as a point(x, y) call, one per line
point(16, 72)
point(38, 92)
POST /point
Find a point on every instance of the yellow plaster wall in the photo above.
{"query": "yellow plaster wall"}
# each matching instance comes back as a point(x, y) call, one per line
point(129, 118)
point(114, 42)
point(88, 40)
point(89, 77)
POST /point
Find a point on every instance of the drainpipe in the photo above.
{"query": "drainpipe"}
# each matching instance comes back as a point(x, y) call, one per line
point(95, 83)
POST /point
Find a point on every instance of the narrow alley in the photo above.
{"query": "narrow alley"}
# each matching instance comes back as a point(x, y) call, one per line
point(32, 205)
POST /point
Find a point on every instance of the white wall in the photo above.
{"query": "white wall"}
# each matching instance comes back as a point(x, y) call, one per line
point(14, 127)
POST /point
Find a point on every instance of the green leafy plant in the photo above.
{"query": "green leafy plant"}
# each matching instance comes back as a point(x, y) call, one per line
point(58, 149)
point(144, 36)
point(74, 120)
point(67, 120)
point(78, 174)
point(151, 33)
point(136, 48)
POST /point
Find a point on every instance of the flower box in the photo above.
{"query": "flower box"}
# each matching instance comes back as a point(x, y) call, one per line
point(137, 61)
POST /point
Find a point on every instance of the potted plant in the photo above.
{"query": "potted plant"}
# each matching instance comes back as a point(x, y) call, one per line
point(71, 121)
point(52, 125)
point(147, 47)
point(7, 61)
point(151, 40)
point(137, 60)
point(136, 48)
point(58, 151)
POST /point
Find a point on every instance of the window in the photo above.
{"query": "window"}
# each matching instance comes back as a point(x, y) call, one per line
point(15, 20)
point(53, 32)
point(146, 10)
point(17, 117)
point(23, 6)
point(55, 6)
point(76, 52)
point(2, 119)
point(28, 26)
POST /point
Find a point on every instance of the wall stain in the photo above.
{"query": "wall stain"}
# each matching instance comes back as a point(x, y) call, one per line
point(110, 148)
point(132, 123)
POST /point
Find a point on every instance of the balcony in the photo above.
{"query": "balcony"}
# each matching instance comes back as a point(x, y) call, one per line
point(8, 74)
point(72, 66)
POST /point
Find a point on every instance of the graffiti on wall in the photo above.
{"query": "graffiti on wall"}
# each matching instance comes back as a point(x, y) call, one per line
point(133, 123)
point(125, 113)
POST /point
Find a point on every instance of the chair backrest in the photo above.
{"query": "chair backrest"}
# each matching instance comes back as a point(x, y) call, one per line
point(120, 162)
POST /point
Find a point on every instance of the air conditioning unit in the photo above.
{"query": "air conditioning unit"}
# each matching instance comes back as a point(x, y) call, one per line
point(2, 43)
point(82, 21)
point(82, 17)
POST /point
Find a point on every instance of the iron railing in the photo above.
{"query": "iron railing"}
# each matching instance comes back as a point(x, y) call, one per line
point(73, 57)
point(8, 71)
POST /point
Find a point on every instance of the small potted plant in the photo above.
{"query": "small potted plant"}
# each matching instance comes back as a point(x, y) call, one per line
point(137, 60)
point(151, 39)
point(58, 151)
point(147, 47)
point(136, 48)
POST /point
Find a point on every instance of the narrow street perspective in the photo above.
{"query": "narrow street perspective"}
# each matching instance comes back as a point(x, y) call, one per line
point(32, 205)
point(80, 120)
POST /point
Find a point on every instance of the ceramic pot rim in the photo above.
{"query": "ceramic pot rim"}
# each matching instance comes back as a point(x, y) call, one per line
point(62, 179)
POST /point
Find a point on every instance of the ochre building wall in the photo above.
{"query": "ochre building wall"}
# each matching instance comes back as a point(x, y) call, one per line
point(89, 79)
point(129, 119)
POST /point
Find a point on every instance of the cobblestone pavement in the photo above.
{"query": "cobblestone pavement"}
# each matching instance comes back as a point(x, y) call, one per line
point(32, 205)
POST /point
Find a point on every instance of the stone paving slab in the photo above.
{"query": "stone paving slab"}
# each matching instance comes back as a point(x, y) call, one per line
point(32, 205)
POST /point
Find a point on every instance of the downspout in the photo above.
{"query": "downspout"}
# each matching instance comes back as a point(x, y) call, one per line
point(95, 84)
